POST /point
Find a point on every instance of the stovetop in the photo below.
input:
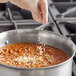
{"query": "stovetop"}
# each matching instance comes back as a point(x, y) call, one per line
point(12, 17)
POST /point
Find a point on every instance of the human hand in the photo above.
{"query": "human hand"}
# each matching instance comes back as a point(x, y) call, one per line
point(38, 8)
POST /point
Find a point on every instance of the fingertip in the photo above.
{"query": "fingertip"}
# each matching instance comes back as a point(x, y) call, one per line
point(44, 9)
point(45, 21)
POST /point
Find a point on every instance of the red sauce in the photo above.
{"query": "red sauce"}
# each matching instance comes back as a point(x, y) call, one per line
point(31, 55)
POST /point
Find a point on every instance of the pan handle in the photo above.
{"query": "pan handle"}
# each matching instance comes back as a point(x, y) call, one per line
point(74, 59)
point(43, 26)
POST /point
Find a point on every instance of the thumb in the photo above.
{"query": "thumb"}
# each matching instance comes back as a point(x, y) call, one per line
point(36, 14)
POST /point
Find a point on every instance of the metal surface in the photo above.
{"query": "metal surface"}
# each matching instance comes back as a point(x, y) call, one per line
point(41, 27)
point(66, 19)
point(35, 36)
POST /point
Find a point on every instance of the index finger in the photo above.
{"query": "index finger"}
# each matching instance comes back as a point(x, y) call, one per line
point(44, 8)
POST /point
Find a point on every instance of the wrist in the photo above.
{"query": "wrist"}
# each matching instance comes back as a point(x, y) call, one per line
point(21, 3)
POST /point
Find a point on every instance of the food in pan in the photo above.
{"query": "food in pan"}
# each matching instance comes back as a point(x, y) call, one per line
point(31, 55)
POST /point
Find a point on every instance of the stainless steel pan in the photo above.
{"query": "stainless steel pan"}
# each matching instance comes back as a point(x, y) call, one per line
point(38, 36)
